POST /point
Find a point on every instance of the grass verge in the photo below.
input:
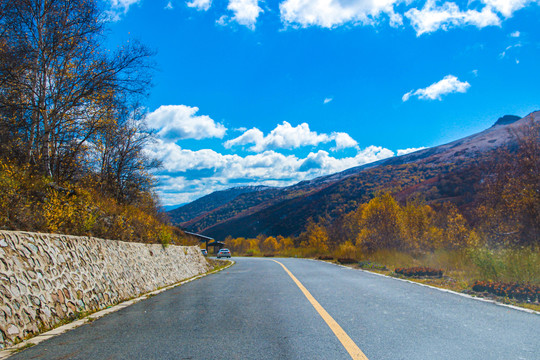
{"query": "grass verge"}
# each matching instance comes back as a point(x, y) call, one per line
point(459, 276)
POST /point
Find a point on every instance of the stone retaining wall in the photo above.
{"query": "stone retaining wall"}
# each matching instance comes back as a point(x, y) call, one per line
point(45, 278)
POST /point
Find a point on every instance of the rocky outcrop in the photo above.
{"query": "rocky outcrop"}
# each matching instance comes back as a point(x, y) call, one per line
point(507, 120)
point(46, 278)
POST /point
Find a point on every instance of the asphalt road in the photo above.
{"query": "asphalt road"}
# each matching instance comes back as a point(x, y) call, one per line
point(254, 310)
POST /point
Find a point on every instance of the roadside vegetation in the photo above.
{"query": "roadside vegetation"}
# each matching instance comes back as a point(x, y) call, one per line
point(73, 161)
point(496, 239)
point(72, 130)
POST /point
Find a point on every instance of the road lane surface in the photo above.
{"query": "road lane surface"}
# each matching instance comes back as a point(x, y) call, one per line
point(254, 310)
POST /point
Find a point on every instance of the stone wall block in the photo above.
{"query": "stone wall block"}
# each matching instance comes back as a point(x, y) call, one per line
point(3, 263)
point(45, 277)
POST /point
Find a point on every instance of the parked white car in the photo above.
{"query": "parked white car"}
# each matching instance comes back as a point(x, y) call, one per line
point(224, 253)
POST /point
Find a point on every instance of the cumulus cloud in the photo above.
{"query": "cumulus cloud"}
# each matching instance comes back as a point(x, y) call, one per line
point(508, 7)
point(177, 122)
point(177, 160)
point(433, 17)
point(216, 171)
point(515, 34)
point(327, 100)
point(251, 136)
point(324, 163)
point(245, 12)
point(409, 150)
point(343, 141)
point(286, 136)
point(449, 84)
point(330, 14)
point(201, 5)
point(169, 6)
point(424, 17)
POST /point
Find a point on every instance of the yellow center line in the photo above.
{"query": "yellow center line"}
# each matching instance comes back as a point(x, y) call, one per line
point(349, 345)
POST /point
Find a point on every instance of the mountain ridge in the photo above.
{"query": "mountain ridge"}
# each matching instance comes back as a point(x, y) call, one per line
point(284, 211)
point(209, 202)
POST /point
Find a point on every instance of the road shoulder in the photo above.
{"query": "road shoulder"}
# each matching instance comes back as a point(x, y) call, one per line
point(530, 311)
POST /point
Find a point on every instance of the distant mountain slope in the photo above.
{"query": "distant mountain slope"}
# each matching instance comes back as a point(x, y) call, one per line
point(209, 202)
point(448, 172)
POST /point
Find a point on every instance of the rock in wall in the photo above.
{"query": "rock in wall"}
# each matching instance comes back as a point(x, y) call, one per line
point(45, 278)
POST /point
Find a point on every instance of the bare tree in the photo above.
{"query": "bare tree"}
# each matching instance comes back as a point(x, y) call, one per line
point(58, 85)
point(120, 156)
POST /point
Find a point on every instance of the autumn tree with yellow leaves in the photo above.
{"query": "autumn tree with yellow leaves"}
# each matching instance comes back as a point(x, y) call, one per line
point(509, 210)
point(316, 237)
point(379, 224)
point(72, 131)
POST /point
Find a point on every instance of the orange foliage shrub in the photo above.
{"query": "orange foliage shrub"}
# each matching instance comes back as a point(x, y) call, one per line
point(33, 202)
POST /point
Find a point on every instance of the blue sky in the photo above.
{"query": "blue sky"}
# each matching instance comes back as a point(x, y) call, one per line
point(250, 92)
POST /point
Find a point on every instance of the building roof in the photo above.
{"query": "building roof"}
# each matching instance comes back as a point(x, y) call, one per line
point(201, 237)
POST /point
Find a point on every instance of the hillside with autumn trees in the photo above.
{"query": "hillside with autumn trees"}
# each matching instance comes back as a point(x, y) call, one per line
point(456, 173)
point(469, 209)
point(73, 161)
point(484, 241)
point(72, 130)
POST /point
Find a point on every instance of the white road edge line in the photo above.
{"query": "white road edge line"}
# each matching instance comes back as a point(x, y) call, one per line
point(7, 352)
point(530, 311)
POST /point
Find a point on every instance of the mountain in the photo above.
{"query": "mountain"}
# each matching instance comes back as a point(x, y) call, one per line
point(448, 172)
point(208, 203)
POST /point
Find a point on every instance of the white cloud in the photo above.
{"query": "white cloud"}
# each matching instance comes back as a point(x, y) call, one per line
point(251, 136)
point(169, 6)
point(176, 122)
point(117, 8)
point(327, 100)
point(175, 159)
point(433, 17)
point(245, 12)
point(424, 17)
point(188, 174)
point(285, 136)
point(503, 54)
point(123, 4)
point(201, 5)
point(449, 84)
point(323, 163)
point(515, 34)
point(409, 150)
point(343, 141)
point(223, 20)
point(508, 7)
point(331, 13)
